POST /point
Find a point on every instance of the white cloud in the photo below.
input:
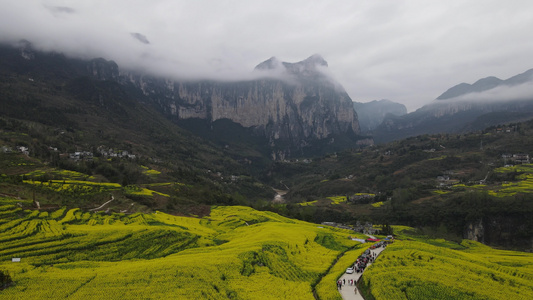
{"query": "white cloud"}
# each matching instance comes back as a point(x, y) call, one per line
point(408, 51)
point(501, 93)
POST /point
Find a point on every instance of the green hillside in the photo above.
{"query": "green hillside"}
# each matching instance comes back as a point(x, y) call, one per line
point(55, 106)
point(103, 196)
point(441, 183)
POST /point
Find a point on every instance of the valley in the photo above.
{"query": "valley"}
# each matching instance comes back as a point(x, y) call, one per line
point(116, 184)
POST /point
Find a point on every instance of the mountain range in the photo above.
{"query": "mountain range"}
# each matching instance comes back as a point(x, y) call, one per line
point(486, 84)
point(178, 146)
point(286, 109)
point(465, 107)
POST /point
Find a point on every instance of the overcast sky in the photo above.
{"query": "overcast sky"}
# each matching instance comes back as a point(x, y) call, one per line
point(408, 51)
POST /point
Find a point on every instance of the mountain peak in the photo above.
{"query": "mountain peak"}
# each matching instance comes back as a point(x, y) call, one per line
point(316, 59)
point(306, 67)
point(269, 64)
point(481, 85)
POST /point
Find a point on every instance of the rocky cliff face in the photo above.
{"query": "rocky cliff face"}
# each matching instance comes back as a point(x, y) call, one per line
point(475, 231)
point(508, 230)
point(291, 104)
point(102, 69)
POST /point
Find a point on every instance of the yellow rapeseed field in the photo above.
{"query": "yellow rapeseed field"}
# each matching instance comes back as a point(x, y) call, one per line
point(235, 252)
point(437, 269)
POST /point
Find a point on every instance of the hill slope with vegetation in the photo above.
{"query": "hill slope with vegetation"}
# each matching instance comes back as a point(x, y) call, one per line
point(455, 185)
point(66, 115)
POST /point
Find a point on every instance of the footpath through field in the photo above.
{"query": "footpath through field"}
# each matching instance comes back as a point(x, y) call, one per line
point(347, 290)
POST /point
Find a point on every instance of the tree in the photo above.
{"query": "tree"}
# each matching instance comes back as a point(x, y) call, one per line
point(386, 229)
point(5, 280)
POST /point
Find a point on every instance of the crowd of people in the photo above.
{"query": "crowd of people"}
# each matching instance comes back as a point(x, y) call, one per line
point(361, 263)
point(342, 282)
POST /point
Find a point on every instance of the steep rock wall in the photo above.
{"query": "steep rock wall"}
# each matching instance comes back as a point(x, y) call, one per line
point(300, 106)
point(279, 109)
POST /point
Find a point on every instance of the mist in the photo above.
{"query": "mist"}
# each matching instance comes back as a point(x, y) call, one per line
point(406, 51)
point(499, 94)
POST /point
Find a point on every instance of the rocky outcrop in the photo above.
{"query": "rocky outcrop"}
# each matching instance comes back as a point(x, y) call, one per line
point(102, 69)
point(475, 231)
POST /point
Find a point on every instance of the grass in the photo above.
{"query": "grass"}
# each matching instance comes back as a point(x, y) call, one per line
point(524, 183)
point(140, 191)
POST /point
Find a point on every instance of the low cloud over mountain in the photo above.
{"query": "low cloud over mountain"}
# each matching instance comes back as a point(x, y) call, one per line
point(519, 87)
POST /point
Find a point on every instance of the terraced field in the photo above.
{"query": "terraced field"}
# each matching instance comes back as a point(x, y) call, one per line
point(523, 182)
point(236, 252)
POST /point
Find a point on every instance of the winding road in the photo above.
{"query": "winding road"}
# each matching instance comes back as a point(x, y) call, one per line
point(347, 291)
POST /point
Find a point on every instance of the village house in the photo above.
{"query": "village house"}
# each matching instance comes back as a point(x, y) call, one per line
point(521, 158)
point(110, 152)
point(517, 158)
point(24, 150)
point(6, 149)
point(81, 155)
point(445, 181)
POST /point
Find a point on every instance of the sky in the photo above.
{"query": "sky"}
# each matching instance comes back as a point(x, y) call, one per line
point(407, 51)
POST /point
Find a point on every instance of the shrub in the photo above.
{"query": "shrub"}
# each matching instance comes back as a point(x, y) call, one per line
point(5, 280)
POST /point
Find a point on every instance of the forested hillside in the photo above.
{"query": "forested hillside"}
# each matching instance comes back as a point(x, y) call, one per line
point(451, 184)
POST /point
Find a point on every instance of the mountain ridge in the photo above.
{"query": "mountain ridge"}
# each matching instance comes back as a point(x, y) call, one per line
point(303, 114)
point(371, 114)
point(485, 84)
point(465, 107)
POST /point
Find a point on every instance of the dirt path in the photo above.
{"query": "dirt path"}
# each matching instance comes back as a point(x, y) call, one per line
point(102, 206)
point(347, 291)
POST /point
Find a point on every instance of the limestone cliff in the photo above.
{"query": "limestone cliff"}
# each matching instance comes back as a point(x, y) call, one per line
point(290, 104)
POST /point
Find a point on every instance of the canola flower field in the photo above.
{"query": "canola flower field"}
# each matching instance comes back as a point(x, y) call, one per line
point(80, 188)
point(523, 183)
point(412, 268)
point(234, 253)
